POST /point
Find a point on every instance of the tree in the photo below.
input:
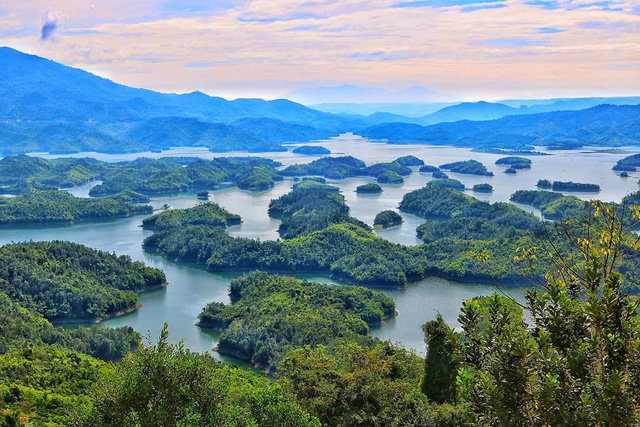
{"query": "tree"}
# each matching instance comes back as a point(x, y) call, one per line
point(440, 368)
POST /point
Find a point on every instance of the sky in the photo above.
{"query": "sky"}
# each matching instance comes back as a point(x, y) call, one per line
point(463, 49)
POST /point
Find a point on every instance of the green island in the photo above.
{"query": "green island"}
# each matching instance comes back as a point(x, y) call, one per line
point(511, 171)
point(409, 161)
point(552, 205)
point(61, 207)
point(387, 219)
point(628, 164)
point(483, 188)
point(312, 184)
point(468, 167)
point(210, 214)
point(568, 186)
point(428, 169)
point(297, 314)
point(203, 195)
point(348, 166)
point(438, 174)
point(310, 150)
point(515, 162)
point(369, 188)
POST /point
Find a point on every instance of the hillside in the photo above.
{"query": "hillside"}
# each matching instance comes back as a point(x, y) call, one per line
point(605, 125)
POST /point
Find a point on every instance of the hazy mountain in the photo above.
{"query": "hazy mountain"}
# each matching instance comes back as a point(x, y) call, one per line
point(356, 94)
point(47, 106)
point(407, 109)
point(469, 111)
point(606, 125)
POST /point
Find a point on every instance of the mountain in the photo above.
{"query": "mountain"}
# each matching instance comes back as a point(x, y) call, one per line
point(469, 111)
point(47, 106)
point(350, 94)
point(605, 125)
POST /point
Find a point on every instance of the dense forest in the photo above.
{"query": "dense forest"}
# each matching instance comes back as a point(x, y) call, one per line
point(209, 213)
point(60, 206)
point(271, 315)
point(469, 167)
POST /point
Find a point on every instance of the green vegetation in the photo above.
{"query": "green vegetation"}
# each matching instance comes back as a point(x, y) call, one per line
point(483, 188)
point(469, 167)
point(511, 171)
point(310, 150)
point(272, 314)
point(166, 385)
point(390, 177)
point(203, 195)
point(553, 206)
point(572, 360)
point(309, 184)
point(380, 170)
point(515, 162)
point(210, 214)
point(438, 174)
point(304, 211)
point(628, 164)
point(69, 282)
point(22, 173)
point(328, 167)
point(446, 183)
point(624, 174)
point(149, 176)
point(429, 169)
point(568, 186)
point(369, 188)
point(60, 206)
point(386, 219)
point(409, 161)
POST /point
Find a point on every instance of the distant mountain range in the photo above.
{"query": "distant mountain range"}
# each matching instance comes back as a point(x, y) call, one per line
point(50, 107)
point(47, 106)
point(607, 125)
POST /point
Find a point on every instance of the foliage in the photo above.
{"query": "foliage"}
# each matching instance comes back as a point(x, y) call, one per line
point(445, 182)
point(309, 184)
point(440, 368)
point(469, 167)
point(387, 219)
point(483, 188)
point(210, 214)
point(166, 385)
point(310, 150)
point(328, 167)
point(628, 164)
point(60, 206)
point(272, 314)
point(364, 385)
point(409, 161)
point(390, 177)
point(568, 186)
point(515, 162)
point(429, 169)
point(68, 281)
point(369, 188)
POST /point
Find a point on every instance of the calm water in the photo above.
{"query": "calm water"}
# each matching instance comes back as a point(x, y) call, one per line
point(192, 287)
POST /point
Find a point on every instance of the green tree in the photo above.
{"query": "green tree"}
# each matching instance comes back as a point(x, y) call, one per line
point(440, 368)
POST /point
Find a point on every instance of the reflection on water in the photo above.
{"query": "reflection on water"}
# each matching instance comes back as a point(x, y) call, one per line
point(191, 287)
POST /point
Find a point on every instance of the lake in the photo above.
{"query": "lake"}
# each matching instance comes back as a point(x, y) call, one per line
point(192, 287)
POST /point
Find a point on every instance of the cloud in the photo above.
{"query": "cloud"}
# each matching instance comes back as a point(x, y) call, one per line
point(51, 21)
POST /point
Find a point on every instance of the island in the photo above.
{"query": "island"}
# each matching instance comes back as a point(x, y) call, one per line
point(568, 186)
point(469, 167)
point(300, 312)
point(203, 195)
point(390, 177)
point(409, 161)
point(429, 169)
point(628, 164)
point(209, 214)
point(311, 150)
point(369, 188)
point(386, 219)
point(483, 188)
point(515, 162)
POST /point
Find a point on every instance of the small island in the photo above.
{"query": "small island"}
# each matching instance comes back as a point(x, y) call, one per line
point(409, 161)
point(370, 188)
point(468, 167)
point(515, 162)
point(310, 150)
point(315, 185)
point(438, 174)
point(628, 164)
point(446, 183)
point(390, 177)
point(568, 186)
point(483, 188)
point(511, 171)
point(386, 219)
point(203, 195)
point(624, 174)
point(428, 169)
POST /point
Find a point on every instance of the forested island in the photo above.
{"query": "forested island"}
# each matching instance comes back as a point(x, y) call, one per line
point(300, 314)
point(210, 214)
point(310, 150)
point(515, 162)
point(469, 167)
point(61, 207)
point(369, 188)
point(568, 186)
point(387, 219)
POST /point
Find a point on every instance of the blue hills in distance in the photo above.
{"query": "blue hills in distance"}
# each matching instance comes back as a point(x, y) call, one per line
point(46, 106)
